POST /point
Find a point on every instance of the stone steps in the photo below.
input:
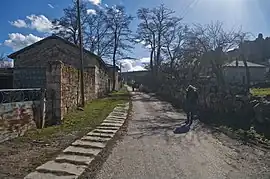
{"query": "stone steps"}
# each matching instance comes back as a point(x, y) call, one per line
point(73, 161)
point(95, 139)
point(61, 168)
point(109, 128)
point(39, 175)
point(88, 144)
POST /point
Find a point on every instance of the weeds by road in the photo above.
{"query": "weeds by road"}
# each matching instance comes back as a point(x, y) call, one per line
point(228, 125)
point(260, 91)
point(22, 155)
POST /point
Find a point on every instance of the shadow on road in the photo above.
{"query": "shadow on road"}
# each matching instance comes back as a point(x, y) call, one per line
point(182, 129)
point(162, 120)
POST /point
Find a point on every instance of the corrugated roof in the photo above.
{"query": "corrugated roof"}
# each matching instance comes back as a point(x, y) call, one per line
point(241, 64)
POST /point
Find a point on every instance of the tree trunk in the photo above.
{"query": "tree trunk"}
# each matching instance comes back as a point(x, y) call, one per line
point(151, 59)
point(247, 73)
point(114, 56)
point(158, 52)
point(114, 66)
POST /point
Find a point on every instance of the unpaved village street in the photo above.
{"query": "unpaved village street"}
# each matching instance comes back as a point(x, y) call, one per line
point(150, 149)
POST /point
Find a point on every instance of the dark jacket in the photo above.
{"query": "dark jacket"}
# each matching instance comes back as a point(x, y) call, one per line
point(191, 99)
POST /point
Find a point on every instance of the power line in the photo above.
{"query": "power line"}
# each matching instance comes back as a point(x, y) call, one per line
point(188, 8)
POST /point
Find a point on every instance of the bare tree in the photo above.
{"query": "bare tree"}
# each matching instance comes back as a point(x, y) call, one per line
point(118, 22)
point(154, 25)
point(173, 41)
point(67, 26)
point(98, 37)
point(209, 42)
point(146, 33)
point(163, 20)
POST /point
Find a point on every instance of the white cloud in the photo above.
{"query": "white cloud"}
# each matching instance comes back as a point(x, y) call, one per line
point(18, 41)
point(19, 23)
point(95, 2)
point(91, 11)
point(51, 6)
point(148, 46)
point(40, 23)
point(145, 60)
point(134, 64)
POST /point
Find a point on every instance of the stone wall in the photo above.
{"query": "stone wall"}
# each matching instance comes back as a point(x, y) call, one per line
point(70, 86)
point(117, 82)
point(89, 78)
point(53, 92)
point(17, 117)
point(63, 89)
point(101, 82)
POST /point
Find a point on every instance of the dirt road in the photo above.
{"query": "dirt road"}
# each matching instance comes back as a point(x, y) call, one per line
point(151, 150)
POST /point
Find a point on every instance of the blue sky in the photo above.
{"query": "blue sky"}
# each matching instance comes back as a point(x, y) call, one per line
point(250, 14)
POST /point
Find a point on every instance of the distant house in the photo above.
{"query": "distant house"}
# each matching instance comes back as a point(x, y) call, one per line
point(235, 72)
point(110, 80)
point(138, 76)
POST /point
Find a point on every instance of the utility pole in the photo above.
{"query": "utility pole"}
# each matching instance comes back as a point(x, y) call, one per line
point(81, 51)
point(121, 75)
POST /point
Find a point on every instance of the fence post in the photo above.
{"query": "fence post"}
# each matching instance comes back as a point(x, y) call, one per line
point(43, 107)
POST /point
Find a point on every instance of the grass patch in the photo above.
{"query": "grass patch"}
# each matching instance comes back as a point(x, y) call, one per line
point(38, 146)
point(260, 91)
point(94, 113)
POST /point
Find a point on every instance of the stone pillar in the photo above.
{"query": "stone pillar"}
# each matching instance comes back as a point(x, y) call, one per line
point(54, 96)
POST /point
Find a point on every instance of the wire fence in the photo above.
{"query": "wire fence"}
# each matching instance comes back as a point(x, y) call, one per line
point(20, 95)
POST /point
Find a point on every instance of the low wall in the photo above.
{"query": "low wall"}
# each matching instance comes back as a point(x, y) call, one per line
point(17, 117)
point(20, 110)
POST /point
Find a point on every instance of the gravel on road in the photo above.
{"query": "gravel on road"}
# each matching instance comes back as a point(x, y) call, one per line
point(150, 149)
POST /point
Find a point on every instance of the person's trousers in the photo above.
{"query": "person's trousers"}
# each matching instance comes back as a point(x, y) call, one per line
point(190, 115)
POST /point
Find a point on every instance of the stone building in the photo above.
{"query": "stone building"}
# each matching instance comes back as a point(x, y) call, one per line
point(117, 77)
point(54, 64)
point(235, 72)
point(138, 76)
point(256, 51)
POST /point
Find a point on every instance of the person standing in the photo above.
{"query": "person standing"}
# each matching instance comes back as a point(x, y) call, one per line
point(191, 103)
